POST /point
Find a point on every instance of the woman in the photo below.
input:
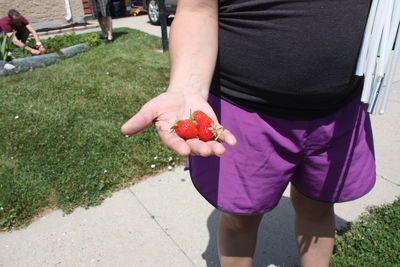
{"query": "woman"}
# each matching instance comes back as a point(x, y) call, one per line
point(102, 11)
point(279, 75)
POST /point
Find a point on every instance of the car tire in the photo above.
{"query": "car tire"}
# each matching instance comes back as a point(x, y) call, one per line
point(153, 11)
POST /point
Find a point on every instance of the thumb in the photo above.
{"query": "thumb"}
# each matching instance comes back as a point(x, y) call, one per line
point(140, 120)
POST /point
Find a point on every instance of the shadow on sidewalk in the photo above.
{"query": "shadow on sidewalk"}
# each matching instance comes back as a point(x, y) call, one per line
point(275, 244)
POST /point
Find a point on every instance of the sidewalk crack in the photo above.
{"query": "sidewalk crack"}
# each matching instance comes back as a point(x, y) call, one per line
point(162, 229)
point(387, 179)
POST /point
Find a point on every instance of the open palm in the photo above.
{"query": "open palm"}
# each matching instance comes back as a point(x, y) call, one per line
point(164, 110)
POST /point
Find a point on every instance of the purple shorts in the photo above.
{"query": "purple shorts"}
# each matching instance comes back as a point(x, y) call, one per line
point(329, 159)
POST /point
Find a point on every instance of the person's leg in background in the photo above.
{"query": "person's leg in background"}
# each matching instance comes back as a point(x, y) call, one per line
point(103, 27)
point(107, 22)
point(108, 27)
point(314, 229)
point(237, 238)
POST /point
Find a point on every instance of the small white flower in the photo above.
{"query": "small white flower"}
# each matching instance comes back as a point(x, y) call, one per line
point(169, 168)
point(12, 157)
point(105, 171)
point(170, 159)
point(155, 158)
point(107, 73)
point(153, 166)
point(126, 135)
point(1, 208)
point(16, 117)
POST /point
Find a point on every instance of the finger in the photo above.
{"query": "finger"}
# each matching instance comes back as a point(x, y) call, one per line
point(176, 144)
point(140, 120)
point(217, 148)
point(228, 138)
point(199, 147)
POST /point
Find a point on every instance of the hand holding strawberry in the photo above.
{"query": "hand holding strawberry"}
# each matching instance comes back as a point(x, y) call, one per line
point(170, 106)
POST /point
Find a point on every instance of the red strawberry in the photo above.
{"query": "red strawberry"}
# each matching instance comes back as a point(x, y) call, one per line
point(202, 118)
point(205, 132)
point(186, 129)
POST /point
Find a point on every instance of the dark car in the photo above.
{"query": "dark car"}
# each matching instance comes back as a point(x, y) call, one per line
point(152, 7)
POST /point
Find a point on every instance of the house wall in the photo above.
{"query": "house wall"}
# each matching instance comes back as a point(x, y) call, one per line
point(44, 13)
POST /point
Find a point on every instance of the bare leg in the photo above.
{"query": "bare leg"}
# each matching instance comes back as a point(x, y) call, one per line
point(103, 26)
point(237, 237)
point(108, 27)
point(315, 230)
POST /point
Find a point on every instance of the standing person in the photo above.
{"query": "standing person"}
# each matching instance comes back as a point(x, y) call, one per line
point(279, 75)
point(101, 9)
point(15, 22)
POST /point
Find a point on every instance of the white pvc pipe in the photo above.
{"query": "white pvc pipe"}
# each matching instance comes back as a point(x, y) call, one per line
point(378, 57)
point(376, 36)
point(366, 40)
point(68, 18)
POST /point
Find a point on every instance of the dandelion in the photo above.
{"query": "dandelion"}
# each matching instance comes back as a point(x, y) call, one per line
point(153, 166)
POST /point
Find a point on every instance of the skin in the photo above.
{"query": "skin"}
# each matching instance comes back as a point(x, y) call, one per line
point(189, 80)
point(106, 27)
point(16, 20)
point(193, 54)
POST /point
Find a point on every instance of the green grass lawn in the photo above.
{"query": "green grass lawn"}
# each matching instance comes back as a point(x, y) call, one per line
point(60, 140)
point(374, 240)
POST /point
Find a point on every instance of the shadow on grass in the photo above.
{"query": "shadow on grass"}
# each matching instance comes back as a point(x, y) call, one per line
point(118, 34)
point(276, 240)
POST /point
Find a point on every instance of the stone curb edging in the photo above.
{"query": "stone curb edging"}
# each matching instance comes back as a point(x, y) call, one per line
point(73, 50)
point(25, 64)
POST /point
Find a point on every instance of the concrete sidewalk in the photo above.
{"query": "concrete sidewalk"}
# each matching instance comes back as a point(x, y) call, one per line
point(138, 22)
point(163, 221)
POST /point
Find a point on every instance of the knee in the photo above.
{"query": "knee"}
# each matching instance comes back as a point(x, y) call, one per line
point(310, 209)
point(317, 214)
point(240, 223)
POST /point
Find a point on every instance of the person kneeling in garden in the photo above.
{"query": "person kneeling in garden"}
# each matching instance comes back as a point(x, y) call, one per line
point(17, 23)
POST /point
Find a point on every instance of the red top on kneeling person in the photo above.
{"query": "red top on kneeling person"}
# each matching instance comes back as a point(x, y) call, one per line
point(17, 23)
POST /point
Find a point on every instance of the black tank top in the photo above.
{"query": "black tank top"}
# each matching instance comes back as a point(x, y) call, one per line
point(293, 59)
